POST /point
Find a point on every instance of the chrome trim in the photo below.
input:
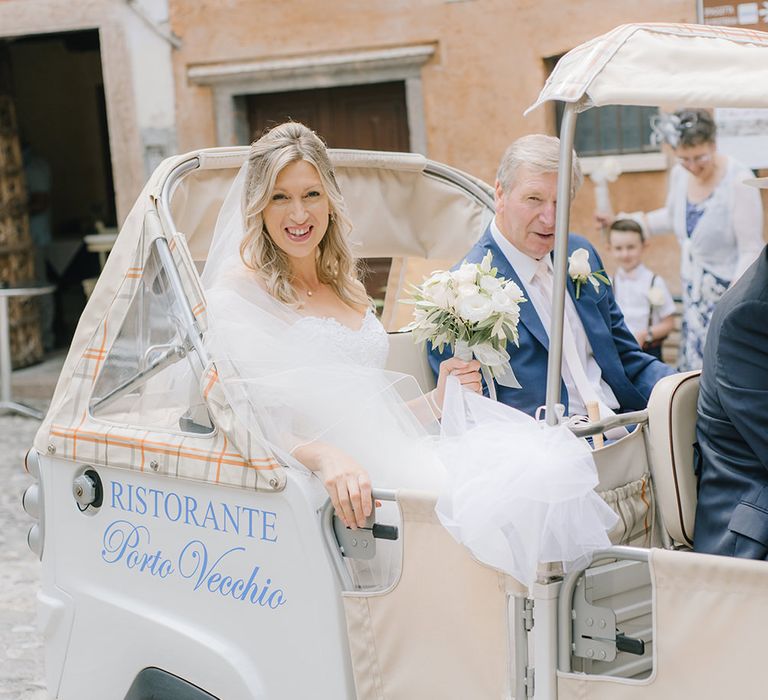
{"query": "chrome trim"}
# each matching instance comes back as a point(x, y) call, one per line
point(443, 172)
point(166, 192)
point(555, 358)
point(616, 421)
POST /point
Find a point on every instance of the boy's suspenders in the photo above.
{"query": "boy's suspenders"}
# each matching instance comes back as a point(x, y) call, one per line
point(650, 305)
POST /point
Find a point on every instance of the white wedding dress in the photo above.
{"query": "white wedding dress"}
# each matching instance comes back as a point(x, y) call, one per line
point(514, 491)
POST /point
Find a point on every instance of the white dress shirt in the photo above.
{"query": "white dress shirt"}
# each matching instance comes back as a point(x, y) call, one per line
point(526, 268)
point(631, 291)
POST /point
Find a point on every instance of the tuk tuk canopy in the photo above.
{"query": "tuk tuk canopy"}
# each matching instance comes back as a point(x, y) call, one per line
point(650, 65)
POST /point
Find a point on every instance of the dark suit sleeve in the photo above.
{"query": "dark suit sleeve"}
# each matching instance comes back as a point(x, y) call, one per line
point(742, 374)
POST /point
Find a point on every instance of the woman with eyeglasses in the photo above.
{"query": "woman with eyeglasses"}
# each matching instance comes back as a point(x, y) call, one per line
point(717, 219)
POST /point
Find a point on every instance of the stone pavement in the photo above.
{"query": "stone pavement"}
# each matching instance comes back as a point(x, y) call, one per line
point(21, 650)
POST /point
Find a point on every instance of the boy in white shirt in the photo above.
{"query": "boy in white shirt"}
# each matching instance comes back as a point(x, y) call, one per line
point(641, 294)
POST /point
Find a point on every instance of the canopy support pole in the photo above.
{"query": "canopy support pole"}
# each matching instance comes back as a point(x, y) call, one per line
point(555, 359)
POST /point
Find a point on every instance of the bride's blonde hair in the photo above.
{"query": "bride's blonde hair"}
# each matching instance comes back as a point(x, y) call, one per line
point(336, 266)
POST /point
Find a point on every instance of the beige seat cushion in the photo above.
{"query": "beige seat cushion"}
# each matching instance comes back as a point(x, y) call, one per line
point(409, 358)
point(672, 431)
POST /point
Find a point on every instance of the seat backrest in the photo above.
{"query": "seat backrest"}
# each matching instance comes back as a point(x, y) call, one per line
point(672, 433)
point(408, 357)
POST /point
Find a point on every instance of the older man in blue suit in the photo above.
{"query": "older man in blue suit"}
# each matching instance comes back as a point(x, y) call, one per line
point(602, 361)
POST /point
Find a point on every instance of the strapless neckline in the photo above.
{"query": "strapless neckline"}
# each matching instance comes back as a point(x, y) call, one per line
point(366, 346)
point(334, 321)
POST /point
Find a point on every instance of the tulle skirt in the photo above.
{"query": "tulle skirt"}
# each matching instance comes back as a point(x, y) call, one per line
point(518, 492)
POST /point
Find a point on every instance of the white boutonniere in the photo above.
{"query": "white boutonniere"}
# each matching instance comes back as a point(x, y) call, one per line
point(656, 296)
point(580, 271)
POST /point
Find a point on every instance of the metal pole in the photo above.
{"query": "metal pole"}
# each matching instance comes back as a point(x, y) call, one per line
point(555, 360)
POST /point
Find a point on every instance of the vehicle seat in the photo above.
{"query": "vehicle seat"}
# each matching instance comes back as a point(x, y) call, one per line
point(672, 432)
point(408, 357)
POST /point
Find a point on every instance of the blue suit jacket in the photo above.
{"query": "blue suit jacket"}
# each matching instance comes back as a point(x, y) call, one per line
point(629, 371)
point(732, 510)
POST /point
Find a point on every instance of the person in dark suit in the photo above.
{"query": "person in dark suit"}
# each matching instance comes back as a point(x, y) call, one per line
point(732, 425)
point(602, 361)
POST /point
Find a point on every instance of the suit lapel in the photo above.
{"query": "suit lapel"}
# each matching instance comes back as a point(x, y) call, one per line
point(528, 316)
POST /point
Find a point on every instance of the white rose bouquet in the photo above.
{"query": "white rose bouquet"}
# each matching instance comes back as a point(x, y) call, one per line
point(580, 271)
point(474, 312)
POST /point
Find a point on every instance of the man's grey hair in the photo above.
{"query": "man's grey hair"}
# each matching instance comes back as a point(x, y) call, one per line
point(540, 154)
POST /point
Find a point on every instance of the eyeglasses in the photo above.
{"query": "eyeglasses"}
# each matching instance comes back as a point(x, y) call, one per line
point(695, 160)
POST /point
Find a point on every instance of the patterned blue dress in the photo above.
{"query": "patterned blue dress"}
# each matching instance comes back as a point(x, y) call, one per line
point(697, 311)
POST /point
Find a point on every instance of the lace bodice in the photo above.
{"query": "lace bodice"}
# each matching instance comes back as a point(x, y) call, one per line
point(367, 346)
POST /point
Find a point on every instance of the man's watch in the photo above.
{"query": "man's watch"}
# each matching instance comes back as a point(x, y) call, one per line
point(649, 337)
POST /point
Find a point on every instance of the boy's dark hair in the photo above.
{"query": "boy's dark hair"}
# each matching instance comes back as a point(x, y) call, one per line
point(628, 225)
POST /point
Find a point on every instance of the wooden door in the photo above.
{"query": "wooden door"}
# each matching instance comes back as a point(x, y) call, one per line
point(372, 117)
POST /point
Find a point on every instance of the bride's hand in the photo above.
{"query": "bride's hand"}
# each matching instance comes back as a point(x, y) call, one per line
point(467, 372)
point(347, 483)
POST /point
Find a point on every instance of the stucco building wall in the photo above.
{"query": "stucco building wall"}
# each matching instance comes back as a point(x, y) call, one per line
point(487, 67)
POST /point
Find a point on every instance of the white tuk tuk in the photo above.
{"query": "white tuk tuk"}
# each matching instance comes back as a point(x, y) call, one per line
point(181, 560)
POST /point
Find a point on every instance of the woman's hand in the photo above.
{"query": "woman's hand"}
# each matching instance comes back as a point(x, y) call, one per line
point(467, 372)
point(347, 483)
point(603, 221)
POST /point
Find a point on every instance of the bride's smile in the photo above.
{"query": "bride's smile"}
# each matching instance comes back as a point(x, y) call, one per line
point(296, 217)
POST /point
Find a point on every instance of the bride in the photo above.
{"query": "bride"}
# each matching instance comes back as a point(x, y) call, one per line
point(301, 356)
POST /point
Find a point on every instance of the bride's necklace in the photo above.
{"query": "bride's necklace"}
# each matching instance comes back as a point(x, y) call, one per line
point(305, 288)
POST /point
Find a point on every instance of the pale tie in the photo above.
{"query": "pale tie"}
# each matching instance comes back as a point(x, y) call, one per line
point(543, 281)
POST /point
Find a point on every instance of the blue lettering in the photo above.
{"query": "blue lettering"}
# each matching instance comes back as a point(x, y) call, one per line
point(120, 537)
point(268, 522)
point(210, 514)
point(235, 521)
point(264, 590)
point(156, 494)
point(250, 512)
point(178, 507)
point(117, 495)
point(190, 506)
point(276, 599)
point(141, 504)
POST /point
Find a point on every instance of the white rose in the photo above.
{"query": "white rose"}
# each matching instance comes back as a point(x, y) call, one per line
point(490, 284)
point(437, 278)
point(466, 274)
point(468, 289)
point(578, 264)
point(487, 262)
point(441, 295)
point(474, 308)
point(656, 296)
point(502, 302)
point(514, 291)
